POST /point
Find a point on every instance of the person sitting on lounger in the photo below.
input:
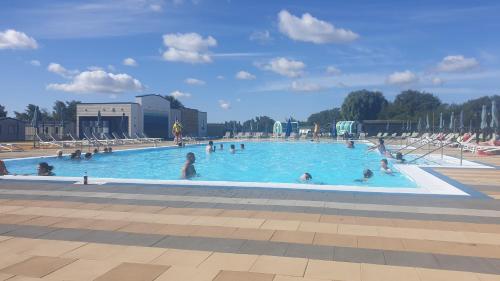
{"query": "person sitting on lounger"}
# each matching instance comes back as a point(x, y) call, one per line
point(3, 169)
point(232, 149)
point(44, 169)
point(305, 177)
point(59, 154)
point(350, 144)
point(367, 174)
point(384, 166)
point(210, 147)
point(188, 171)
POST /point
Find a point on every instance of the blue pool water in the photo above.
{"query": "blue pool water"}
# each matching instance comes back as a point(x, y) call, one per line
point(281, 162)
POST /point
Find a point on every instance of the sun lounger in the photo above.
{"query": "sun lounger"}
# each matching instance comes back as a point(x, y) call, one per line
point(49, 143)
point(227, 135)
point(10, 147)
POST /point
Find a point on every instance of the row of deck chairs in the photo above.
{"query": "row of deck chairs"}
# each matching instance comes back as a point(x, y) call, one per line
point(454, 140)
point(92, 139)
point(10, 147)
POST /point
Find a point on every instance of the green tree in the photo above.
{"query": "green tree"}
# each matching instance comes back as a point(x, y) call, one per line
point(260, 124)
point(363, 105)
point(174, 103)
point(324, 117)
point(65, 111)
point(3, 112)
point(28, 113)
point(410, 104)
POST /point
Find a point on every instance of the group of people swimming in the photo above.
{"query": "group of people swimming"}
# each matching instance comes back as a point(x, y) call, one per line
point(43, 169)
point(189, 171)
point(367, 173)
point(77, 154)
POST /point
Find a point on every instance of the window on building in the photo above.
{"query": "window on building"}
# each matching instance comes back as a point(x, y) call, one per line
point(0, 129)
point(57, 130)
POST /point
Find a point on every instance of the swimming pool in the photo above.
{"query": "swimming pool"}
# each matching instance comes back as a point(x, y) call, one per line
point(260, 164)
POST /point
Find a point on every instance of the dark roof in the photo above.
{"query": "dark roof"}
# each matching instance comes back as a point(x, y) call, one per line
point(107, 103)
point(147, 95)
point(5, 118)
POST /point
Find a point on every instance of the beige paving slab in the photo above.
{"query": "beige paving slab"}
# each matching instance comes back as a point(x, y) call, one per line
point(488, 277)
point(226, 261)
point(321, 227)
point(280, 225)
point(358, 230)
point(136, 254)
point(82, 270)
point(243, 276)
point(293, 236)
point(52, 248)
point(294, 278)
point(94, 251)
point(8, 259)
point(37, 266)
point(280, 265)
point(329, 239)
point(18, 245)
point(333, 270)
point(445, 275)
point(178, 258)
point(5, 276)
point(374, 272)
point(133, 272)
point(183, 273)
point(253, 234)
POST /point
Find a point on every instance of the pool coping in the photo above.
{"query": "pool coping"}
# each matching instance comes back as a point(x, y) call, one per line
point(431, 183)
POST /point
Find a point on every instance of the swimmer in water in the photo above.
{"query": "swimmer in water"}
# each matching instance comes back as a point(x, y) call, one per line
point(350, 144)
point(232, 149)
point(305, 177)
point(367, 174)
point(384, 166)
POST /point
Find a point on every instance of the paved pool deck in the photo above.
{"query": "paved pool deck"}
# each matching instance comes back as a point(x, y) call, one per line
point(64, 231)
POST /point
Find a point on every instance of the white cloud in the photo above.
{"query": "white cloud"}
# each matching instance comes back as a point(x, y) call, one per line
point(400, 78)
point(194, 81)
point(156, 7)
point(99, 81)
point(188, 47)
point(60, 70)
point(437, 81)
point(111, 67)
point(261, 36)
point(305, 87)
point(129, 62)
point(224, 104)
point(243, 75)
point(310, 29)
point(286, 67)
point(332, 70)
point(220, 77)
point(457, 63)
point(12, 39)
point(93, 67)
point(35, 62)
point(178, 94)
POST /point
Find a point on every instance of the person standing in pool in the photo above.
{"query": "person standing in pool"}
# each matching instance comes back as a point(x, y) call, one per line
point(210, 147)
point(221, 147)
point(242, 146)
point(3, 169)
point(350, 144)
point(188, 171)
point(381, 148)
point(232, 149)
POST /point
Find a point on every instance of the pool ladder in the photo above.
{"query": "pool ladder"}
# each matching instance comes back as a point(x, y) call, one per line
point(442, 151)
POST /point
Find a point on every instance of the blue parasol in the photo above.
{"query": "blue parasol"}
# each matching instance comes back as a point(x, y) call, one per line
point(288, 129)
point(334, 129)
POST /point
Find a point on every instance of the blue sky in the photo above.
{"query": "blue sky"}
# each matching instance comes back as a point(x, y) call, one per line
point(238, 59)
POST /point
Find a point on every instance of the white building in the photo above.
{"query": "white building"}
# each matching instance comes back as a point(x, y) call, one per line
point(150, 114)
